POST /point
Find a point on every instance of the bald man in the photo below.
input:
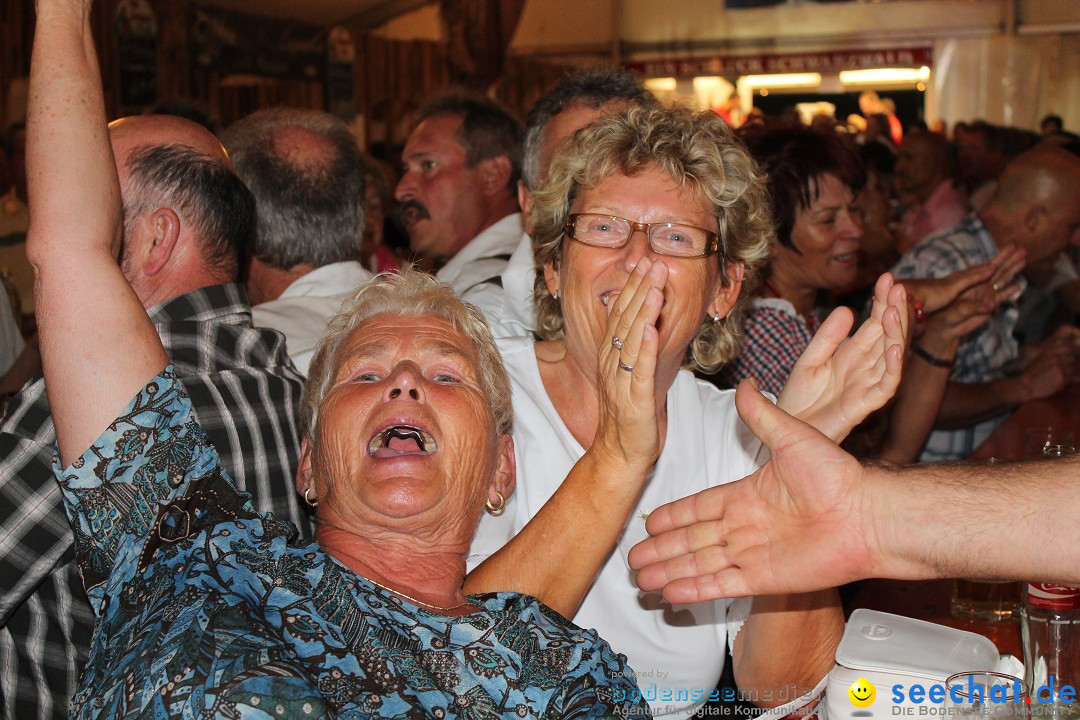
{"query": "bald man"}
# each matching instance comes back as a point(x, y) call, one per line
point(307, 174)
point(186, 218)
point(1037, 208)
point(923, 179)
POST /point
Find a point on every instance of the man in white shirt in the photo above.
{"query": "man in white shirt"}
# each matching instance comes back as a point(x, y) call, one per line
point(307, 174)
point(575, 101)
point(457, 192)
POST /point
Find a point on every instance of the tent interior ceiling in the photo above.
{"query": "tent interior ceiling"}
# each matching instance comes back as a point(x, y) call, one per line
point(363, 13)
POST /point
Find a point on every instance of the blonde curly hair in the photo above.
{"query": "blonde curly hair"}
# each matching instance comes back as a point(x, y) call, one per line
point(697, 150)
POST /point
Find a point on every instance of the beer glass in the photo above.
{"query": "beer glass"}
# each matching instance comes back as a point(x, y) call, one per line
point(983, 695)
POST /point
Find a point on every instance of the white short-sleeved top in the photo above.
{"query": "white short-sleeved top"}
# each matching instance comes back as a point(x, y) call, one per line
point(678, 651)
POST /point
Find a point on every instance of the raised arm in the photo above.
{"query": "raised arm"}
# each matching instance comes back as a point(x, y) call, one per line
point(97, 344)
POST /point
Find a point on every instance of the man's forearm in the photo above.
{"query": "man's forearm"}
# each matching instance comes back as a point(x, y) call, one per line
point(1009, 521)
point(966, 404)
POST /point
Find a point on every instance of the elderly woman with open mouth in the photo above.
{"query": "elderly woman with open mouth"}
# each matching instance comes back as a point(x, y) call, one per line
point(649, 226)
point(205, 608)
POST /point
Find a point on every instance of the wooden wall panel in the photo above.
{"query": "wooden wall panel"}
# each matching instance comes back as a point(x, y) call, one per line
point(393, 78)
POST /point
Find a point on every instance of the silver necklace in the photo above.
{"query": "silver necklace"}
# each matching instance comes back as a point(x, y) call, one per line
point(414, 601)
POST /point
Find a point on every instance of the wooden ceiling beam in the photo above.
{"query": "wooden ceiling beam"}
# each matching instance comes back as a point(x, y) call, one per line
point(379, 12)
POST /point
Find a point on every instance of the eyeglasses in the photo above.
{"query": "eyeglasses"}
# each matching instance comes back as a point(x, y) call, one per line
point(674, 239)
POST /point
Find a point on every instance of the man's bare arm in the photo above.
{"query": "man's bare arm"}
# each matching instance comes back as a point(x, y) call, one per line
point(813, 517)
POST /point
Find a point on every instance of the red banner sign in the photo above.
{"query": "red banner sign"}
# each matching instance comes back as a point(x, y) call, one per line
point(822, 62)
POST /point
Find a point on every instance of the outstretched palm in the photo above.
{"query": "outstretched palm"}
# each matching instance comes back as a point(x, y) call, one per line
point(793, 526)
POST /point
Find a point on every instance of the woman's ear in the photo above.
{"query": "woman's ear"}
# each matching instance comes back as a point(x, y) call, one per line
point(505, 479)
point(726, 295)
point(304, 477)
point(551, 276)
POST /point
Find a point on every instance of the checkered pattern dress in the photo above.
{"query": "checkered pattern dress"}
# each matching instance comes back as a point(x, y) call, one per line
point(774, 336)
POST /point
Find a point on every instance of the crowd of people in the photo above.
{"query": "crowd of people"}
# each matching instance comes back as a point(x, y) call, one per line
point(257, 463)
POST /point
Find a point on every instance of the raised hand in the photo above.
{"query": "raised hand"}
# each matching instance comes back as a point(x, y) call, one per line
point(793, 526)
point(996, 274)
point(626, 366)
point(967, 300)
point(1007, 264)
point(838, 381)
point(98, 347)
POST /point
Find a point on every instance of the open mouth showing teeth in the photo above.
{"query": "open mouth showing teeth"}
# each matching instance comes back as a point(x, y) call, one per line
point(398, 440)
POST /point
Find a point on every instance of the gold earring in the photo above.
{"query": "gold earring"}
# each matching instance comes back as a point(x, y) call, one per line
point(311, 503)
point(495, 509)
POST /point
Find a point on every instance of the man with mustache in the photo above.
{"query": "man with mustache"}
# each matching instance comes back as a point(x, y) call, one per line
point(458, 190)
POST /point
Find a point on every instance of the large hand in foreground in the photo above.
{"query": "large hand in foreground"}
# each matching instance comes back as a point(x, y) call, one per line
point(796, 525)
point(838, 381)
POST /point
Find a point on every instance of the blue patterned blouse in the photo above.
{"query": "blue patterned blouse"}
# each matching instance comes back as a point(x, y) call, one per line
point(205, 609)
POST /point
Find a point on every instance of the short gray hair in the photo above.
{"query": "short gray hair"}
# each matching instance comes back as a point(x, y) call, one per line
point(698, 150)
point(202, 189)
point(406, 294)
point(592, 87)
point(309, 210)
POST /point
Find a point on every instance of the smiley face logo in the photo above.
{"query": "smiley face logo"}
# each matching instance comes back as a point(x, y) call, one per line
point(861, 693)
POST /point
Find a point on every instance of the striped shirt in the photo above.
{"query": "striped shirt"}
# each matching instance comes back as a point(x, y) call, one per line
point(246, 394)
point(986, 353)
